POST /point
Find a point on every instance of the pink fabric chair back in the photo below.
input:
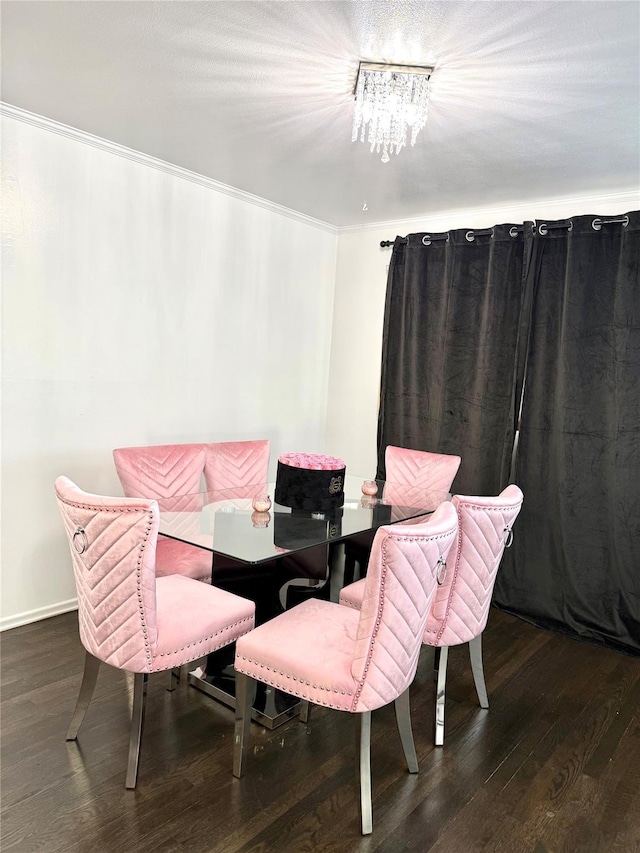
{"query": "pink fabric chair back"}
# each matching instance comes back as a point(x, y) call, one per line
point(399, 588)
point(113, 544)
point(238, 466)
point(461, 606)
point(420, 472)
point(160, 471)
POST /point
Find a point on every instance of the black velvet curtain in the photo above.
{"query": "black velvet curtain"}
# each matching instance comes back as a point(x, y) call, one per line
point(449, 351)
point(549, 318)
point(575, 560)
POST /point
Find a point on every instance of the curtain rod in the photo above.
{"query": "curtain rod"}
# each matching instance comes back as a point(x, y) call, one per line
point(543, 228)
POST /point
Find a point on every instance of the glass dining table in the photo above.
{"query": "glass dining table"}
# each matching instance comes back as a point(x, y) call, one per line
point(277, 556)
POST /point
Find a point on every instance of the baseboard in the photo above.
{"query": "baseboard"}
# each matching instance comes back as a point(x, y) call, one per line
point(39, 613)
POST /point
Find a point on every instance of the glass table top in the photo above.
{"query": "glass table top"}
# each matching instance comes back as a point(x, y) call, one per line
point(226, 522)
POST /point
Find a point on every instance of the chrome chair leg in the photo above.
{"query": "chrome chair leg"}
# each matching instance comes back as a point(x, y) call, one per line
point(436, 662)
point(403, 718)
point(89, 678)
point(475, 653)
point(245, 691)
point(440, 694)
point(177, 674)
point(140, 680)
point(365, 773)
point(305, 710)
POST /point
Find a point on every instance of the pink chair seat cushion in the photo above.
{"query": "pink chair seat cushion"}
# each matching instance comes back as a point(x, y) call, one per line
point(353, 594)
point(461, 605)
point(195, 619)
point(306, 651)
point(173, 557)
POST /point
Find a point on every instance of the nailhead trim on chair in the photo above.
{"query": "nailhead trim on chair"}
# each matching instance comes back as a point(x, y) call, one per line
point(95, 508)
point(204, 639)
point(455, 571)
point(295, 692)
point(300, 681)
point(383, 578)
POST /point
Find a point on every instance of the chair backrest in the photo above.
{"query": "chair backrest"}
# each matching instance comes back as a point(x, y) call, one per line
point(160, 471)
point(237, 465)
point(113, 544)
point(420, 469)
point(461, 605)
point(400, 585)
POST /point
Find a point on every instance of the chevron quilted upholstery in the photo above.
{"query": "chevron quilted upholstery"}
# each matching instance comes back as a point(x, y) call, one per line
point(461, 606)
point(350, 660)
point(412, 473)
point(170, 473)
point(398, 591)
point(126, 617)
point(237, 464)
point(115, 576)
point(160, 471)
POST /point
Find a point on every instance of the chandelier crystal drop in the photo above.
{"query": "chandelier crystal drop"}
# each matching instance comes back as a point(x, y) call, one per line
point(389, 100)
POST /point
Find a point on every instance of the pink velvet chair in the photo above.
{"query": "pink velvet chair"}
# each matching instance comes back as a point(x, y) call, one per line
point(460, 608)
point(237, 465)
point(162, 472)
point(353, 661)
point(418, 472)
point(410, 476)
point(128, 617)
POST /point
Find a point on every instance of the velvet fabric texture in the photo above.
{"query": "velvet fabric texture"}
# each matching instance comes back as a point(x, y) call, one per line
point(172, 474)
point(460, 606)
point(127, 617)
point(238, 465)
point(357, 661)
point(575, 563)
point(310, 489)
point(448, 352)
point(546, 324)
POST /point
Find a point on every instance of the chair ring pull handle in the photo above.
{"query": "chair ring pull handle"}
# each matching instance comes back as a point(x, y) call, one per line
point(509, 537)
point(80, 541)
point(441, 571)
point(426, 240)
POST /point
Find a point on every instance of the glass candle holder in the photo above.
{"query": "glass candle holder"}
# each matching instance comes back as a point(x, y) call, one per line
point(260, 519)
point(261, 503)
point(369, 487)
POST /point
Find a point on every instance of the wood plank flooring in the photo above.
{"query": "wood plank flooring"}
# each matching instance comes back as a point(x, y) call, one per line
point(552, 767)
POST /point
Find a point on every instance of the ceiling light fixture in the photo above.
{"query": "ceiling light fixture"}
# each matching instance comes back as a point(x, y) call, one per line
point(390, 98)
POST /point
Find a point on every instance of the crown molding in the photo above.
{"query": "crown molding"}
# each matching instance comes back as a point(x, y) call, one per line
point(536, 209)
point(74, 133)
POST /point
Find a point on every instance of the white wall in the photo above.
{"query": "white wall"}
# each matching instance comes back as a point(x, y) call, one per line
point(361, 281)
point(140, 307)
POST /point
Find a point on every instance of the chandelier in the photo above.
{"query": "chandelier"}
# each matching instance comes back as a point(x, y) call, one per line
point(390, 99)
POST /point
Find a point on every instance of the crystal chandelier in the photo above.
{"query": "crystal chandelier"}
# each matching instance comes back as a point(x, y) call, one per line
point(389, 99)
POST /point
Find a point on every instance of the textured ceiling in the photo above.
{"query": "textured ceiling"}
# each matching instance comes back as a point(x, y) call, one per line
point(530, 100)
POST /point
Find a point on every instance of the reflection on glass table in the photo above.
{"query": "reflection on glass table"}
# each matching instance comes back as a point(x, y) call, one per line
point(276, 556)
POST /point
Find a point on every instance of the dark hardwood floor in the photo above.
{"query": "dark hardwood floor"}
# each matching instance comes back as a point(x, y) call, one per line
point(554, 765)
